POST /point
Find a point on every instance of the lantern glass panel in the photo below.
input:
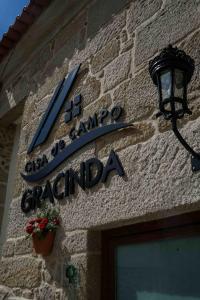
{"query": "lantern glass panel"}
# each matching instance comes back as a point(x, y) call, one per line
point(178, 83)
point(166, 84)
point(178, 88)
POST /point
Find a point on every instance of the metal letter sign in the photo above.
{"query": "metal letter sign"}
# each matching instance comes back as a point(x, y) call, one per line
point(87, 132)
point(71, 149)
point(53, 110)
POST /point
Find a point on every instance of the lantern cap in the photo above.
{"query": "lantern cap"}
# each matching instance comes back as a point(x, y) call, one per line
point(171, 58)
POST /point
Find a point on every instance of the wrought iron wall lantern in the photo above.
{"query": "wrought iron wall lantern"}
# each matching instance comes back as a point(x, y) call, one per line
point(171, 71)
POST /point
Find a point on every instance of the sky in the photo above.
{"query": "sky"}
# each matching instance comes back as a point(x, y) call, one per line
point(9, 10)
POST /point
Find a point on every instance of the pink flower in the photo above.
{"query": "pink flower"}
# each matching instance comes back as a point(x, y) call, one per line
point(44, 221)
point(32, 221)
point(29, 229)
point(56, 221)
point(38, 220)
point(42, 226)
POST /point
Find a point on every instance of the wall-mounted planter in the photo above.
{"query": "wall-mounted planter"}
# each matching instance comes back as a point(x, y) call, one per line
point(44, 246)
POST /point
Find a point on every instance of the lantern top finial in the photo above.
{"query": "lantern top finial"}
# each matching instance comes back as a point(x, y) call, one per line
point(171, 58)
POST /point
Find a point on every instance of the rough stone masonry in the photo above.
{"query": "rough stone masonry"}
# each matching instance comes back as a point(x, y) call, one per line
point(114, 41)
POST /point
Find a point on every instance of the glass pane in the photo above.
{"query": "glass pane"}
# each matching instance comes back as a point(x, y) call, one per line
point(166, 82)
point(160, 270)
point(179, 83)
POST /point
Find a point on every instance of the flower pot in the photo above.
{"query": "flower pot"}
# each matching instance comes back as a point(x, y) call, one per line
point(44, 246)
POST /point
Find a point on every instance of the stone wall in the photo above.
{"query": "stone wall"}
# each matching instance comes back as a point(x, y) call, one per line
point(6, 143)
point(114, 41)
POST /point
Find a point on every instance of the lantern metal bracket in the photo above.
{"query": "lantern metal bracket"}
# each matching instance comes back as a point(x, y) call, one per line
point(174, 105)
point(195, 159)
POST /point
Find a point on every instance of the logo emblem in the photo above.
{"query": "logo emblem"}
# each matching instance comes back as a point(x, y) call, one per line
point(55, 105)
point(101, 123)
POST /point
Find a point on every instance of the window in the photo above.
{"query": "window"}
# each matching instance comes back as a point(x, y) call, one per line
point(158, 260)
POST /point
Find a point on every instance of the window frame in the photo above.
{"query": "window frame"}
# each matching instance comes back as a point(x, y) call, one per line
point(184, 225)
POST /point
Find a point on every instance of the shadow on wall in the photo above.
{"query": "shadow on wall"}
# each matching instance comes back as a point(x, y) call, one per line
point(55, 263)
point(67, 252)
